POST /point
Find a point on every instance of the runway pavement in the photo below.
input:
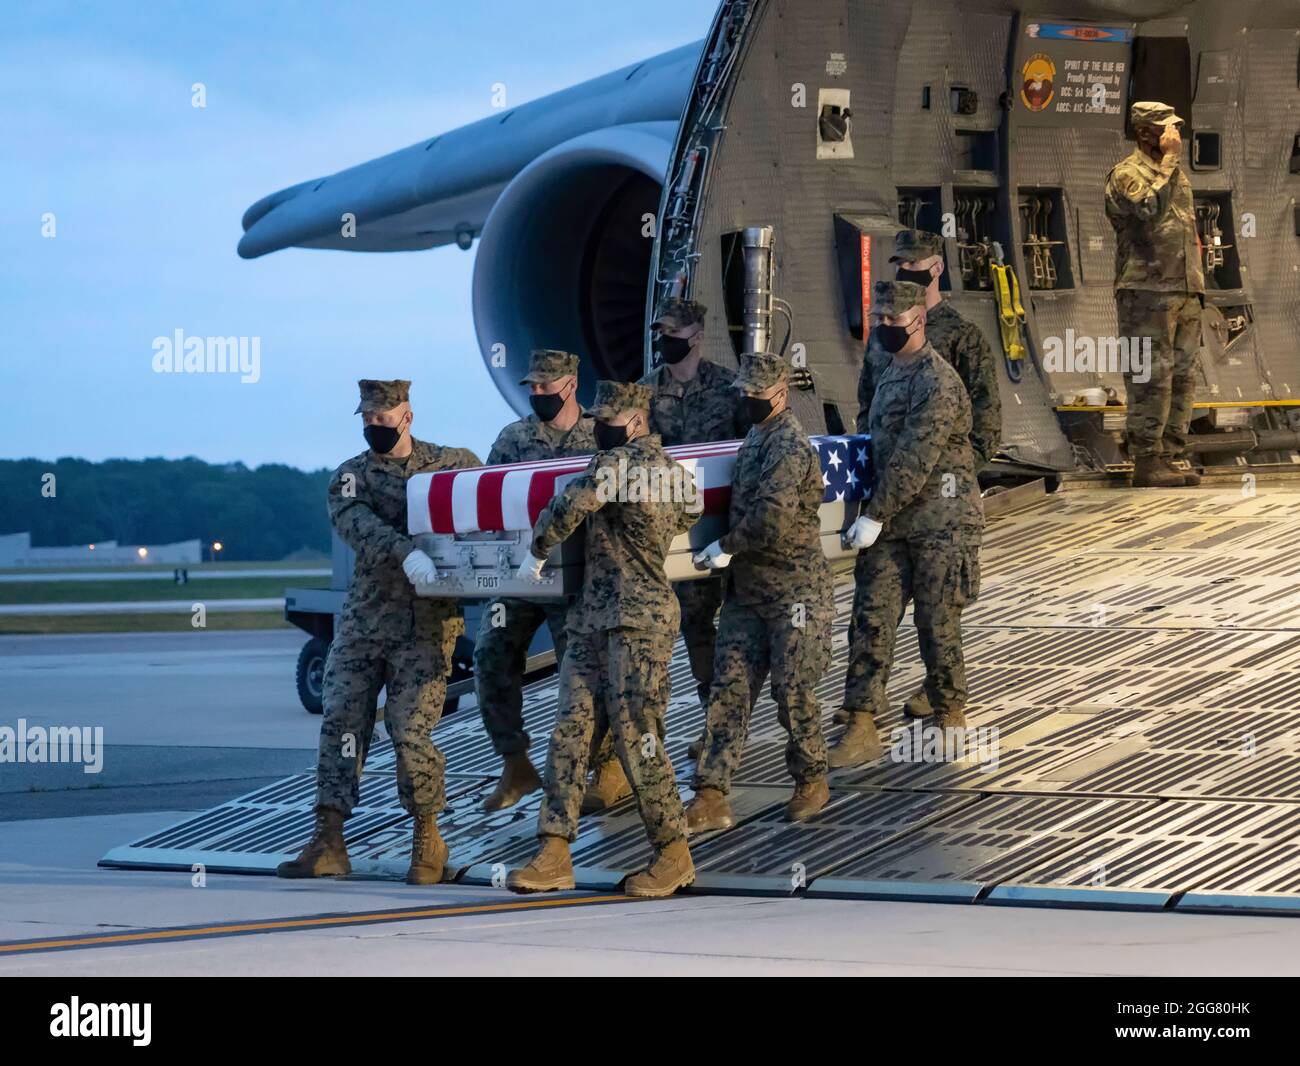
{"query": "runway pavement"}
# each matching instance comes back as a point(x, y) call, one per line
point(188, 719)
point(50, 890)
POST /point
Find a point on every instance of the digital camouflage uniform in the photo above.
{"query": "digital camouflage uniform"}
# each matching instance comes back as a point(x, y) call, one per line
point(621, 628)
point(1159, 288)
point(501, 650)
point(959, 341)
point(387, 636)
point(777, 613)
point(698, 411)
point(927, 499)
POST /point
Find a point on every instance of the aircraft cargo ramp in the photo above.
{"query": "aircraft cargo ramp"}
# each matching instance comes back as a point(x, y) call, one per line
point(1138, 653)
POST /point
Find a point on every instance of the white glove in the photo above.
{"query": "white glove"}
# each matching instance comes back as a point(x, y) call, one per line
point(863, 533)
point(420, 569)
point(712, 557)
point(531, 569)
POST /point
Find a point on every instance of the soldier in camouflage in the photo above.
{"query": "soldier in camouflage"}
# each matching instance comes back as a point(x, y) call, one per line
point(920, 532)
point(387, 637)
point(778, 608)
point(919, 255)
point(1159, 291)
point(633, 499)
point(695, 402)
point(557, 427)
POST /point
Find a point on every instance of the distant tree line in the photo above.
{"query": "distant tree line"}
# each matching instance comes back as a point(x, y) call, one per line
point(265, 513)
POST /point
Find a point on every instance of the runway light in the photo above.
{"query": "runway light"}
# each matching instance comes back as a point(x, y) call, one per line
point(142, 552)
point(92, 547)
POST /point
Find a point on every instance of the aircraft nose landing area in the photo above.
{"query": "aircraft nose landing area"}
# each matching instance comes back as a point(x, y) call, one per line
point(1134, 665)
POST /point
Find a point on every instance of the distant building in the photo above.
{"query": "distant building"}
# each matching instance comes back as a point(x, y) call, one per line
point(16, 551)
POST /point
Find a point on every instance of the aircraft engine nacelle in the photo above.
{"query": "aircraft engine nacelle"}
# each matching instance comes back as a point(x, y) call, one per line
point(564, 257)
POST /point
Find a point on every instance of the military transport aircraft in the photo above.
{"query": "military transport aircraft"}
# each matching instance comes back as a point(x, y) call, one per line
point(1133, 652)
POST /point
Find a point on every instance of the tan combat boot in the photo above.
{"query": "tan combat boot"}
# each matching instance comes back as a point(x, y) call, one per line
point(917, 705)
point(608, 786)
point(1150, 472)
point(670, 869)
point(1190, 477)
point(518, 779)
point(709, 810)
point(550, 871)
point(809, 798)
point(858, 744)
point(325, 854)
point(428, 852)
point(951, 719)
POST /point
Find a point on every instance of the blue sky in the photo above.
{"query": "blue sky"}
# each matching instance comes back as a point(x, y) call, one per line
point(97, 128)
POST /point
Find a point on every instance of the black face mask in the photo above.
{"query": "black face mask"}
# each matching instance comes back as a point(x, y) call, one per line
point(758, 409)
point(382, 439)
point(920, 277)
point(672, 350)
point(608, 436)
point(893, 338)
point(546, 406)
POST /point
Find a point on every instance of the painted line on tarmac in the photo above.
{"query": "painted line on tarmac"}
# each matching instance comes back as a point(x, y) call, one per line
point(287, 925)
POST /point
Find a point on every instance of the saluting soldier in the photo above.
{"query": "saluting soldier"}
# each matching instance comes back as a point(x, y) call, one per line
point(1159, 292)
point(558, 427)
point(388, 637)
point(920, 532)
point(633, 499)
point(778, 607)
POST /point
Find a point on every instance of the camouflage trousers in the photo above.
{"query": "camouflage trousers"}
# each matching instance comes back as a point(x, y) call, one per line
point(414, 673)
point(615, 680)
point(1160, 409)
point(500, 656)
point(753, 642)
point(939, 574)
point(699, 601)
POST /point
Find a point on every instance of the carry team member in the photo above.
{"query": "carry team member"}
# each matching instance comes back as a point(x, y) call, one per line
point(920, 532)
point(387, 637)
point(621, 631)
point(779, 603)
point(558, 427)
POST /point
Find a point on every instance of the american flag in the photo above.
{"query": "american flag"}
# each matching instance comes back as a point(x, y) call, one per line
point(847, 472)
point(513, 496)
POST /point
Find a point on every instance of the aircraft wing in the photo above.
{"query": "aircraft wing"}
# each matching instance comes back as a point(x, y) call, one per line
point(428, 194)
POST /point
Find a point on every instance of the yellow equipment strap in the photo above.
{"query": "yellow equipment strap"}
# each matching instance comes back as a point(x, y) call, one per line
point(1011, 313)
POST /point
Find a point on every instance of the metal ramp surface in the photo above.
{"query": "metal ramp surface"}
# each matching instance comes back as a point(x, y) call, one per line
point(1134, 662)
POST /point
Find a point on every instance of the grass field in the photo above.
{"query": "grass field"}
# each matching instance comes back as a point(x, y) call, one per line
point(197, 590)
point(45, 624)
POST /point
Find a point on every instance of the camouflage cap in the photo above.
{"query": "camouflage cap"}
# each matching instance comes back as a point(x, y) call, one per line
point(759, 371)
point(895, 297)
point(377, 396)
point(1151, 113)
point(677, 313)
point(913, 245)
point(547, 364)
point(615, 397)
